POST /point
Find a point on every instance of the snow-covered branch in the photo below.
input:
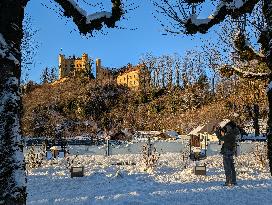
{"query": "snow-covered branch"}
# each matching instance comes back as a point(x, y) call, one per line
point(245, 49)
point(230, 70)
point(89, 23)
point(6, 50)
point(234, 8)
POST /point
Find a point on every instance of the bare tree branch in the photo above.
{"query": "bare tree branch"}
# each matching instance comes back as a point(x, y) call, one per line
point(191, 24)
point(224, 8)
point(89, 23)
point(230, 70)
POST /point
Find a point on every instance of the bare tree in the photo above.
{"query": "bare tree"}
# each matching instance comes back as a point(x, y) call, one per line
point(177, 68)
point(150, 62)
point(29, 48)
point(183, 19)
point(169, 70)
point(12, 167)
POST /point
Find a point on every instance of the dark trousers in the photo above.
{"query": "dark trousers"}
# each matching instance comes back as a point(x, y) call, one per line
point(228, 162)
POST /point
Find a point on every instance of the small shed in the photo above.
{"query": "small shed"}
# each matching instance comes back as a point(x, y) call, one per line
point(195, 136)
point(173, 134)
point(196, 130)
point(144, 135)
point(198, 144)
point(163, 136)
point(120, 136)
point(207, 131)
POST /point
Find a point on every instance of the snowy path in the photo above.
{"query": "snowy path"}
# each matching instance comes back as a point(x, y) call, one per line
point(130, 185)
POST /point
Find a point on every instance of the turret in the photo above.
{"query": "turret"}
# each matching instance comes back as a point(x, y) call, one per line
point(85, 57)
point(98, 66)
point(85, 62)
point(61, 65)
point(98, 63)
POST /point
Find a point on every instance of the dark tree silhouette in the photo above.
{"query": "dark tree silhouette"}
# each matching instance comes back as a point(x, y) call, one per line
point(182, 18)
point(12, 167)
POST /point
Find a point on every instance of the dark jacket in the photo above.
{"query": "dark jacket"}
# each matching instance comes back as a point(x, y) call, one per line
point(229, 138)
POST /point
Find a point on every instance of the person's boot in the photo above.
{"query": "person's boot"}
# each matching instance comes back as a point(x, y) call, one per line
point(228, 182)
point(233, 181)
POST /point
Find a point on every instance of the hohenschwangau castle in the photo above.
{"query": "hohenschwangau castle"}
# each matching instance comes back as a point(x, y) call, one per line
point(131, 76)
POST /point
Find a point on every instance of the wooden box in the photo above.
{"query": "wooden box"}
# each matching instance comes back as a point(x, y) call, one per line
point(200, 170)
point(77, 172)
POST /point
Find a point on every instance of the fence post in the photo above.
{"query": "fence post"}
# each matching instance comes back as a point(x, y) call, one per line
point(108, 147)
point(149, 149)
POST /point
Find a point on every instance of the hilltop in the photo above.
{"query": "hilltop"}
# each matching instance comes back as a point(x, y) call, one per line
point(81, 105)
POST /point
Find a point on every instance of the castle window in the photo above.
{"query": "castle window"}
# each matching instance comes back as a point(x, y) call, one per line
point(134, 82)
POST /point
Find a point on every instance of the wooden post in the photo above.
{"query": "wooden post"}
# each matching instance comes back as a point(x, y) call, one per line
point(206, 144)
point(149, 151)
point(108, 146)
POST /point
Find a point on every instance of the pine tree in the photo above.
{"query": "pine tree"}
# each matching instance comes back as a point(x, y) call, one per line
point(45, 76)
point(53, 75)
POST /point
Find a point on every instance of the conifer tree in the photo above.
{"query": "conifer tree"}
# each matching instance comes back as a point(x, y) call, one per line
point(45, 76)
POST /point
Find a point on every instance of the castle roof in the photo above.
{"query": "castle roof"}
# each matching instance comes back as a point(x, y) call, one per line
point(129, 68)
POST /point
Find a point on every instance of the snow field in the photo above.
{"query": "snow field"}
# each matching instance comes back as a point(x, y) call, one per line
point(169, 183)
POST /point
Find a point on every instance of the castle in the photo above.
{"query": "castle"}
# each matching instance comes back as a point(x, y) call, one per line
point(73, 66)
point(131, 76)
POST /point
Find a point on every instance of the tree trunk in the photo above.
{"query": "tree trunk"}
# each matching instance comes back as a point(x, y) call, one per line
point(269, 131)
point(266, 41)
point(256, 117)
point(12, 166)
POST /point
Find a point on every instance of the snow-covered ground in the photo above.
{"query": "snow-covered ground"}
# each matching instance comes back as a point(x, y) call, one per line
point(169, 183)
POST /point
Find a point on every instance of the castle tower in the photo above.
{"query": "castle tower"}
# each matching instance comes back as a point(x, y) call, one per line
point(73, 66)
point(84, 58)
point(61, 66)
point(98, 67)
point(85, 62)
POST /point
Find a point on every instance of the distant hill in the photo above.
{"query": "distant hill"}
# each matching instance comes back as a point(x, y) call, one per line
point(82, 106)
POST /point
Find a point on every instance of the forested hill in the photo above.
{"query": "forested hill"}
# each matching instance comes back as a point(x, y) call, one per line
point(78, 106)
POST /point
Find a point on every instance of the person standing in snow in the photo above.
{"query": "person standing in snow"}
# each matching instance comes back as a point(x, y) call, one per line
point(227, 134)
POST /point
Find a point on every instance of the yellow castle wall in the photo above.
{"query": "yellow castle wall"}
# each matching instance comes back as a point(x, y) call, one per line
point(73, 66)
point(78, 66)
point(130, 79)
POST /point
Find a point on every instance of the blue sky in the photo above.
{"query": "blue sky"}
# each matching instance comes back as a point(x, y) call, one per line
point(116, 48)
